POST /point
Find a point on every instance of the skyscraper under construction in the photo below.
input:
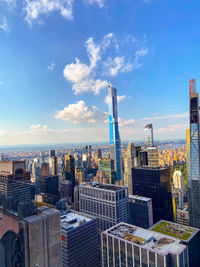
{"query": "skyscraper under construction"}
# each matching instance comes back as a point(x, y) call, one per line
point(194, 159)
point(114, 131)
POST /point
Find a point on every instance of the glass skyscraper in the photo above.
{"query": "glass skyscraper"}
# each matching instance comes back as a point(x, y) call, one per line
point(194, 158)
point(148, 135)
point(114, 130)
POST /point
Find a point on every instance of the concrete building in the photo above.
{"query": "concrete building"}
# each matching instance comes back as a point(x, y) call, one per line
point(148, 135)
point(79, 240)
point(188, 236)
point(109, 203)
point(42, 242)
point(129, 245)
point(45, 169)
point(140, 211)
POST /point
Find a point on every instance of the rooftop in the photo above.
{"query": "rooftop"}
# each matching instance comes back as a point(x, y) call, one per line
point(176, 230)
point(148, 239)
point(154, 168)
point(71, 220)
point(139, 198)
point(103, 186)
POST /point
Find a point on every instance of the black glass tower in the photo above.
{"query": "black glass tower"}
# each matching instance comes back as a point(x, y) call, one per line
point(194, 159)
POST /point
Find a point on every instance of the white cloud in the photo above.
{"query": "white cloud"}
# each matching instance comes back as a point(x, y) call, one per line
point(99, 2)
point(93, 52)
point(113, 66)
point(76, 72)
point(11, 3)
point(167, 117)
point(51, 67)
point(35, 8)
point(141, 53)
point(172, 128)
point(120, 98)
point(84, 76)
point(89, 85)
point(4, 25)
point(124, 122)
point(81, 113)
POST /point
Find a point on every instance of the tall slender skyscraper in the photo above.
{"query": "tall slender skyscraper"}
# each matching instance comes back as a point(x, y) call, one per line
point(148, 135)
point(194, 160)
point(114, 130)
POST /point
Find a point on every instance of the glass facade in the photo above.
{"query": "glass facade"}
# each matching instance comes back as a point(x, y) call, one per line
point(194, 158)
point(114, 131)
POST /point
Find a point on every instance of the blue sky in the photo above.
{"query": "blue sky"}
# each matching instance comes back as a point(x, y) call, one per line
point(57, 56)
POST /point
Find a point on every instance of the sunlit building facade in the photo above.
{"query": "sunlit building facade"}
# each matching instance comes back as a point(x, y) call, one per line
point(114, 130)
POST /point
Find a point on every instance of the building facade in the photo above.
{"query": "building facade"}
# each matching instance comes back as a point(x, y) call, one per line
point(109, 203)
point(148, 135)
point(140, 211)
point(155, 183)
point(129, 245)
point(79, 240)
point(114, 131)
point(194, 164)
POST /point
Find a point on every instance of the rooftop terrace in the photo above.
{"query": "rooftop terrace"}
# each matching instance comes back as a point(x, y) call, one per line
point(151, 240)
point(176, 230)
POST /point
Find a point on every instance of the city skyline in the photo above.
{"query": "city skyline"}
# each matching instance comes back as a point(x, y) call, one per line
point(53, 86)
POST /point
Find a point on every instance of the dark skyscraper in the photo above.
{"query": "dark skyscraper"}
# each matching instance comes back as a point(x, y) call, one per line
point(114, 130)
point(154, 182)
point(69, 171)
point(194, 160)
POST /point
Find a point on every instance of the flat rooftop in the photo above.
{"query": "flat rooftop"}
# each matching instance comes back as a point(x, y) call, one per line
point(176, 230)
point(139, 198)
point(154, 168)
point(71, 220)
point(148, 239)
point(103, 186)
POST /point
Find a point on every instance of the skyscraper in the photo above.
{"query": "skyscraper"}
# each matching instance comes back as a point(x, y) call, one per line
point(129, 156)
point(155, 183)
point(194, 171)
point(69, 171)
point(148, 135)
point(114, 131)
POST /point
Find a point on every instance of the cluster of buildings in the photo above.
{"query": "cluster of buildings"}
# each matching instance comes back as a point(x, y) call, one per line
point(172, 156)
point(89, 209)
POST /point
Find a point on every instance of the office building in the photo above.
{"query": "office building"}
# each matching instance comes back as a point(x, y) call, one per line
point(79, 240)
point(155, 183)
point(140, 211)
point(53, 166)
point(42, 242)
point(66, 191)
point(194, 168)
point(52, 153)
point(152, 154)
point(129, 156)
point(188, 236)
point(45, 169)
point(32, 241)
point(99, 153)
point(179, 188)
point(79, 176)
point(49, 186)
point(69, 171)
point(108, 166)
point(15, 188)
point(148, 135)
point(109, 203)
point(115, 144)
point(182, 215)
point(129, 245)
point(142, 158)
